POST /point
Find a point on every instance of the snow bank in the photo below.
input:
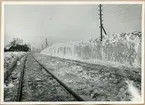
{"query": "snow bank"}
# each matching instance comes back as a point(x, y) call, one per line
point(134, 91)
point(123, 49)
point(10, 56)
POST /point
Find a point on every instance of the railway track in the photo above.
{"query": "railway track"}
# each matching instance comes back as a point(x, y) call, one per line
point(11, 68)
point(28, 81)
point(19, 92)
point(21, 83)
point(12, 80)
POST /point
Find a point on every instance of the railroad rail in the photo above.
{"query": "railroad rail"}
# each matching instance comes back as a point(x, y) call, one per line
point(19, 92)
point(48, 70)
point(21, 80)
point(11, 68)
point(77, 97)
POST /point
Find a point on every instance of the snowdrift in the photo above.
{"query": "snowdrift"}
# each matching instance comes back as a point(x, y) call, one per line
point(121, 49)
point(10, 57)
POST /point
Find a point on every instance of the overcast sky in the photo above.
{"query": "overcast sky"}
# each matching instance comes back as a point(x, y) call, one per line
point(61, 23)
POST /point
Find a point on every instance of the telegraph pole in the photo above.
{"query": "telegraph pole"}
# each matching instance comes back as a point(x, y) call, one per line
point(100, 14)
point(46, 43)
point(101, 24)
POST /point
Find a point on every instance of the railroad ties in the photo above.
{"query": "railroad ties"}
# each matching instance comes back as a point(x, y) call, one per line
point(77, 97)
point(29, 77)
point(21, 80)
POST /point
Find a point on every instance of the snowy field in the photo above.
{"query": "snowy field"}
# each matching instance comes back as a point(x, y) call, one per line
point(115, 50)
point(10, 57)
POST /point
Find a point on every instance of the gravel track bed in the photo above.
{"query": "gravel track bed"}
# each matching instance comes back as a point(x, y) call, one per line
point(11, 87)
point(40, 86)
point(92, 84)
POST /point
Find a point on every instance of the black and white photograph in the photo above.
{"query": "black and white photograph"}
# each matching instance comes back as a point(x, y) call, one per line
point(73, 52)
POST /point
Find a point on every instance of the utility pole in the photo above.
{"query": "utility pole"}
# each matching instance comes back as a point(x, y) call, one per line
point(101, 24)
point(100, 14)
point(46, 42)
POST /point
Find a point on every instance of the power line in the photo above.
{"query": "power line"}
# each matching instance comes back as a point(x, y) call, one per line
point(123, 11)
point(117, 8)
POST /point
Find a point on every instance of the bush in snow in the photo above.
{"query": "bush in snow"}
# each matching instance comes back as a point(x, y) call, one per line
point(122, 48)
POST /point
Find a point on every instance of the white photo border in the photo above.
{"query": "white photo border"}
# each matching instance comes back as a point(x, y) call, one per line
point(75, 3)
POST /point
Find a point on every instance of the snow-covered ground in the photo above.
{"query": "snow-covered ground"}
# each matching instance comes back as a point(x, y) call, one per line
point(118, 50)
point(115, 50)
point(9, 57)
point(96, 83)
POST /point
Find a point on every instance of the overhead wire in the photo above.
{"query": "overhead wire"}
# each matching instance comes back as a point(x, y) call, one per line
point(123, 12)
